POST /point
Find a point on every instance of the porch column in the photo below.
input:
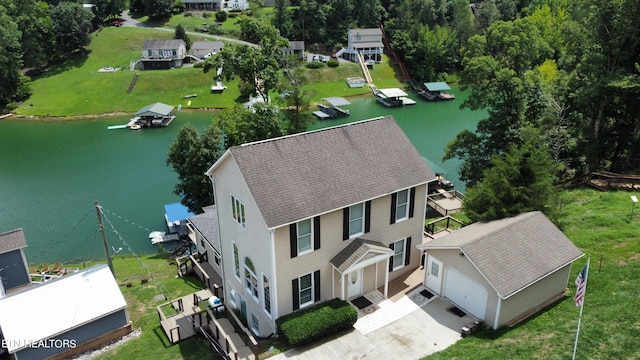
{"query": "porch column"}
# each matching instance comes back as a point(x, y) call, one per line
point(342, 280)
point(386, 279)
point(376, 278)
point(333, 283)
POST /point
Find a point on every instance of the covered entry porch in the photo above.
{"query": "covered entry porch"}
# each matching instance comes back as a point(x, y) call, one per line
point(359, 268)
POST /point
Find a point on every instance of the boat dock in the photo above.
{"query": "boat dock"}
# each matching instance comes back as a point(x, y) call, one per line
point(392, 97)
point(332, 108)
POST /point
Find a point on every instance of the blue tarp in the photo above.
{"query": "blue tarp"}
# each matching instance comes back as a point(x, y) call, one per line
point(177, 212)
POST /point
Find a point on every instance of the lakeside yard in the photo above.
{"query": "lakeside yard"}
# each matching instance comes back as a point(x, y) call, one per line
point(599, 223)
point(76, 88)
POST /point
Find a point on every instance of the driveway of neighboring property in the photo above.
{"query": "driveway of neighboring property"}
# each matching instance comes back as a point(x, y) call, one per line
point(409, 328)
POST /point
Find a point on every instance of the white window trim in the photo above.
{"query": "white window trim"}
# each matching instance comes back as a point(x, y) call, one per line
point(310, 250)
point(310, 302)
point(254, 319)
point(404, 252)
point(361, 232)
point(248, 287)
point(237, 209)
point(236, 260)
point(406, 204)
point(265, 297)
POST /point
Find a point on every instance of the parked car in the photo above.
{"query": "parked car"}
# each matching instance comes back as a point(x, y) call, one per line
point(116, 23)
point(315, 58)
point(323, 59)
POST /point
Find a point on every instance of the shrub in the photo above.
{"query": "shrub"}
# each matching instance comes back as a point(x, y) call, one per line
point(314, 65)
point(333, 63)
point(187, 14)
point(206, 14)
point(316, 322)
point(179, 7)
point(221, 16)
point(232, 14)
point(199, 64)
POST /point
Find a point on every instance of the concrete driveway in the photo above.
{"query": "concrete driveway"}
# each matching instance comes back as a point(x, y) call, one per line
point(409, 328)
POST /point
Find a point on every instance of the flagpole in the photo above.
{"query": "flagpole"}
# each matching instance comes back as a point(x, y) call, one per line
point(586, 278)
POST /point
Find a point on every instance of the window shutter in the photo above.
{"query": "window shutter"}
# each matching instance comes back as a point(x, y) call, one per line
point(394, 198)
point(412, 200)
point(407, 252)
point(367, 216)
point(345, 223)
point(316, 286)
point(391, 259)
point(296, 294)
point(293, 239)
point(316, 233)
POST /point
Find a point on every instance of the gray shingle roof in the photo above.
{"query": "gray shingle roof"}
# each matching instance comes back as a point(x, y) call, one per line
point(207, 225)
point(512, 253)
point(207, 45)
point(162, 44)
point(12, 240)
point(368, 31)
point(299, 176)
point(355, 251)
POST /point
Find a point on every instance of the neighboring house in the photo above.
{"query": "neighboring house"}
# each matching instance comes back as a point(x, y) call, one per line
point(204, 49)
point(367, 42)
point(501, 271)
point(65, 316)
point(163, 54)
point(313, 216)
point(14, 270)
point(295, 48)
point(203, 231)
point(211, 5)
point(235, 4)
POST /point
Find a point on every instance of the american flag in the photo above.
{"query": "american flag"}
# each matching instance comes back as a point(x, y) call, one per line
point(581, 284)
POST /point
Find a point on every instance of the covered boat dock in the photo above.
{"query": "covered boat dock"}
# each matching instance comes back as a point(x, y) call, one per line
point(333, 108)
point(154, 115)
point(392, 97)
point(437, 91)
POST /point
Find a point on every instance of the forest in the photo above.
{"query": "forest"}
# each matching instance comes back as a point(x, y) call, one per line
point(559, 79)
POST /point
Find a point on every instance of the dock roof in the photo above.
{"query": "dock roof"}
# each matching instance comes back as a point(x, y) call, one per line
point(157, 109)
point(336, 101)
point(392, 92)
point(53, 308)
point(177, 212)
point(295, 177)
point(437, 86)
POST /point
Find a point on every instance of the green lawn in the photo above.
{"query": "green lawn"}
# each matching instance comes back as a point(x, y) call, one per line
point(601, 225)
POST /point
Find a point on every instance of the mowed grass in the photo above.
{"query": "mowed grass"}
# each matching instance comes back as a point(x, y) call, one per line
point(600, 224)
point(142, 300)
point(75, 88)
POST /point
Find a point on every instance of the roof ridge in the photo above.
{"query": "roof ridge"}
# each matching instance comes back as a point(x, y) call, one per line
point(306, 133)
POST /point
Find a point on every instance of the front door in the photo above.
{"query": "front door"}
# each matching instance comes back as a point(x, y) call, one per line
point(354, 280)
point(434, 274)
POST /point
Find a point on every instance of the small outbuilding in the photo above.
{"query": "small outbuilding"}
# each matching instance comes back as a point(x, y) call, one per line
point(501, 271)
point(65, 316)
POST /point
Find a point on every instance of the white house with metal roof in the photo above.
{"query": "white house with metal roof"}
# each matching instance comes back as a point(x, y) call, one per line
point(65, 316)
point(501, 271)
point(309, 217)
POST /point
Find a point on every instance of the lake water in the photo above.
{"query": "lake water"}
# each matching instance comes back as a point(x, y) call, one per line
point(51, 173)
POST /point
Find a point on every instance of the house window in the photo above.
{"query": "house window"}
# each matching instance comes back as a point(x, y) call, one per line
point(202, 243)
point(356, 220)
point(216, 259)
point(402, 205)
point(255, 324)
point(304, 236)
point(267, 294)
point(236, 260)
point(237, 208)
point(250, 279)
point(401, 254)
point(306, 290)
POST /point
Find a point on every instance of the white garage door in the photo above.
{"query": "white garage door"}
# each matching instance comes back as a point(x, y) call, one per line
point(465, 292)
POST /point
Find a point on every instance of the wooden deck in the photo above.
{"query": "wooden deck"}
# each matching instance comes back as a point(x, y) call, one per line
point(446, 202)
point(180, 326)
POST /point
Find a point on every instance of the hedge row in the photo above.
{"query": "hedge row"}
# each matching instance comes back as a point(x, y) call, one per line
point(316, 322)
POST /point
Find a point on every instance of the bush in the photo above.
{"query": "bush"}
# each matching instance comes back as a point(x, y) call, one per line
point(179, 7)
point(206, 14)
point(316, 322)
point(333, 63)
point(314, 65)
point(232, 14)
point(187, 14)
point(221, 16)
point(199, 64)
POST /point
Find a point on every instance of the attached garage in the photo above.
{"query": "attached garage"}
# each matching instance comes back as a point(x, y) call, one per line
point(465, 292)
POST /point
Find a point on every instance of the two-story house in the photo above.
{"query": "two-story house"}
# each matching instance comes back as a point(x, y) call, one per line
point(163, 54)
point(367, 42)
point(305, 218)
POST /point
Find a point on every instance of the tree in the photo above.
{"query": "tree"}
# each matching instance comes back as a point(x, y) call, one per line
point(240, 125)
point(519, 181)
point(71, 26)
point(107, 9)
point(181, 33)
point(190, 155)
point(157, 9)
point(10, 59)
point(294, 98)
point(258, 66)
point(35, 25)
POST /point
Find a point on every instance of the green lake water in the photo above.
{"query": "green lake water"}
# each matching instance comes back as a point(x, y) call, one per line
point(52, 172)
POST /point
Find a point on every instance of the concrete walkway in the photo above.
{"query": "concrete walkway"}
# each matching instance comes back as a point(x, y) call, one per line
point(409, 328)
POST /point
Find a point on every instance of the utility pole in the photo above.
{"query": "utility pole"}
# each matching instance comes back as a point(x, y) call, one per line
point(104, 239)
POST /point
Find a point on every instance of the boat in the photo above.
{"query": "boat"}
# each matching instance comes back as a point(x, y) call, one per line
point(155, 234)
point(436, 91)
point(135, 127)
point(332, 108)
point(392, 97)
